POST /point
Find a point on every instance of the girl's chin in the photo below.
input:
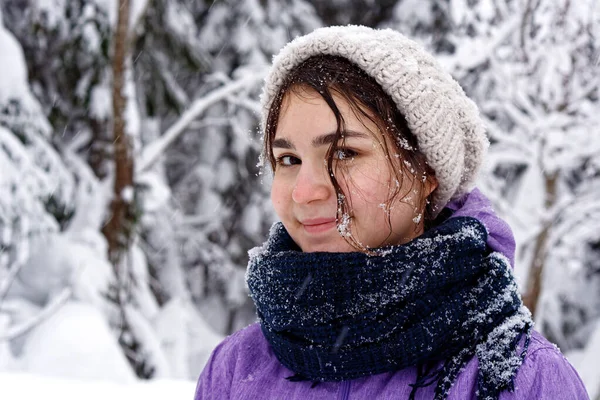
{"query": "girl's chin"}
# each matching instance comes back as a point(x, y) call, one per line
point(333, 246)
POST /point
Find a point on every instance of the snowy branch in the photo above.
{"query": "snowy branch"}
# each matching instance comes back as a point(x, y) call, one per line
point(497, 133)
point(584, 208)
point(81, 139)
point(475, 52)
point(171, 85)
point(50, 309)
point(8, 280)
point(517, 116)
point(155, 149)
point(501, 204)
point(252, 106)
point(197, 125)
point(195, 219)
point(524, 24)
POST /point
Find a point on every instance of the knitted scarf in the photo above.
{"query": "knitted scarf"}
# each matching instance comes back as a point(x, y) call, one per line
point(438, 300)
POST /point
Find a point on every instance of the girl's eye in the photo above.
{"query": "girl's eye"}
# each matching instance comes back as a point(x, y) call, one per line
point(287, 161)
point(344, 154)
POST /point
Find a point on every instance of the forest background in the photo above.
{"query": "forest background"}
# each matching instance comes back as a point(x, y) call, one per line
point(130, 192)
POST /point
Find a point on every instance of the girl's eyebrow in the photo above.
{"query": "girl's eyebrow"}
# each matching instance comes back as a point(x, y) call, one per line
point(322, 140)
point(282, 143)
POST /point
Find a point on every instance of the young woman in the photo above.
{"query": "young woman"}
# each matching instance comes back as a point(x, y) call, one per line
point(388, 277)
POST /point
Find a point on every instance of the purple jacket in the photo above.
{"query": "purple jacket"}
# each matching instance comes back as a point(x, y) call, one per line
point(243, 366)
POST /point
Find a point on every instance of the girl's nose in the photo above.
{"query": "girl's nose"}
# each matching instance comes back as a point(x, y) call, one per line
point(312, 184)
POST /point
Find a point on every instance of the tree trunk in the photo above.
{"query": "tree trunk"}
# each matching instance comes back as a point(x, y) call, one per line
point(118, 228)
point(534, 281)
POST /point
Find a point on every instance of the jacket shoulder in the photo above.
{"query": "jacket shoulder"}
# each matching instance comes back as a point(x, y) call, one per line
point(546, 374)
point(228, 360)
point(243, 340)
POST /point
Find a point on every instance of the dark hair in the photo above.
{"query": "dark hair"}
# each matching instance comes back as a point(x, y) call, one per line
point(327, 75)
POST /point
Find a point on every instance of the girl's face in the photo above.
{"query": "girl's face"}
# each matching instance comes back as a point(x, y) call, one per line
point(304, 197)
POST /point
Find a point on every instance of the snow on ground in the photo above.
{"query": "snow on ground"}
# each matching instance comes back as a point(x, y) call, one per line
point(75, 342)
point(33, 387)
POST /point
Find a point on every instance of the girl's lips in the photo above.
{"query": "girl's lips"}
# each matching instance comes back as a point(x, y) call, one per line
point(318, 225)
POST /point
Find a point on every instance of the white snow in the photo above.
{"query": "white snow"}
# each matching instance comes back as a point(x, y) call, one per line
point(77, 343)
point(101, 102)
point(412, 11)
point(52, 10)
point(127, 194)
point(155, 193)
point(22, 386)
point(13, 82)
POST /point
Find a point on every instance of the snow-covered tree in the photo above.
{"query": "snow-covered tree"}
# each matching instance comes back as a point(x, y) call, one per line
point(191, 111)
point(532, 66)
point(218, 208)
point(48, 254)
point(57, 110)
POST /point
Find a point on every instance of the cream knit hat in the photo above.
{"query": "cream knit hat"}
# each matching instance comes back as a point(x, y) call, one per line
point(444, 120)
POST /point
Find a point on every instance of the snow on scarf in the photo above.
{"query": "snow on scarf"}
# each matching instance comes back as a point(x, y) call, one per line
point(442, 296)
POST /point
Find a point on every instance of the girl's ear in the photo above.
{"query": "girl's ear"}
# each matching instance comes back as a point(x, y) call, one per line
point(431, 183)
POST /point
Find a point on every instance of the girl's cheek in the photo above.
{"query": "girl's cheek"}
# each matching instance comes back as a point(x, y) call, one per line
point(277, 194)
point(282, 188)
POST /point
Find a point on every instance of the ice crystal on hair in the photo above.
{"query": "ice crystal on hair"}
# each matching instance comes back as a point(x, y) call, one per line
point(341, 155)
point(343, 225)
point(403, 144)
point(261, 162)
point(409, 166)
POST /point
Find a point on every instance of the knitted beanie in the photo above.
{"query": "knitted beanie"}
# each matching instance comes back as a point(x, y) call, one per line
point(444, 120)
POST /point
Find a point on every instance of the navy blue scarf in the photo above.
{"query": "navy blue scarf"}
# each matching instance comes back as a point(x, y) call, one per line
point(440, 297)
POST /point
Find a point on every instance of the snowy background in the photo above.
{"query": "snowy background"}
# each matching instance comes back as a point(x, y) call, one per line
point(77, 323)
